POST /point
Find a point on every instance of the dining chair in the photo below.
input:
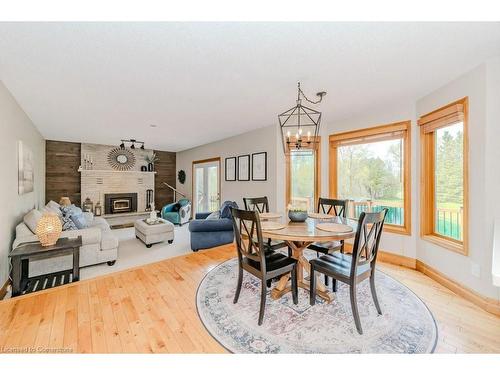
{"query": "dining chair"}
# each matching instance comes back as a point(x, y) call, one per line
point(356, 267)
point(261, 205)
point(258, 260)
point(336, 207)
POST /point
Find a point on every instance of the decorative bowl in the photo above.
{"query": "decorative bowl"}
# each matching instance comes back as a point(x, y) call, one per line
point(297, 216)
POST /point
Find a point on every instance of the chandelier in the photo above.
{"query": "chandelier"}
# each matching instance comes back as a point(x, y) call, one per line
point(300, 124)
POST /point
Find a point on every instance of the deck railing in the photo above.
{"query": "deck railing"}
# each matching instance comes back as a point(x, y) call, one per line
point(449, 221)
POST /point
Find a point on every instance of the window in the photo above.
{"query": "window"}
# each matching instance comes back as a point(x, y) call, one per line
point(444, 207)
point(303, 180)
point(371, 168)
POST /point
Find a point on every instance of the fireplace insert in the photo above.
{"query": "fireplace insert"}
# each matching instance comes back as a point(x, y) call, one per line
point(120, 203)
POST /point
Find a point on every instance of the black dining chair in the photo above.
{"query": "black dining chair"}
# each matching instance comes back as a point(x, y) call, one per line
point(261, 205)
point(356, 267)
point(256, 259)
point(336, 207)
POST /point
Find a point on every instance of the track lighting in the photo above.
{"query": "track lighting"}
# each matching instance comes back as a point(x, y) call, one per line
point(133, 143)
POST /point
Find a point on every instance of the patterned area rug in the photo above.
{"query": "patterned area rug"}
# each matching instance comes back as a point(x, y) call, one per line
point(406, 325)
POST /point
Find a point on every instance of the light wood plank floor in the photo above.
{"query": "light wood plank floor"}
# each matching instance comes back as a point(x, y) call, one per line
point(152, 309)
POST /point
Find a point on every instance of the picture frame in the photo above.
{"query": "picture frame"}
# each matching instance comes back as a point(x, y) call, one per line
point(259, 166)
point(230, 166)
point(26, 167)
point(244, 168)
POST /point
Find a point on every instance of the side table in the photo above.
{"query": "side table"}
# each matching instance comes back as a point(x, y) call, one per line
point(24, 253)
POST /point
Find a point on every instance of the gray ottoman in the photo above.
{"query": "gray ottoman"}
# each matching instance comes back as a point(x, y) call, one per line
point(154, 233)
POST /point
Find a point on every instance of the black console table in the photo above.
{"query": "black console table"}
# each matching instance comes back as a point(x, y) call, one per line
point(24, 253)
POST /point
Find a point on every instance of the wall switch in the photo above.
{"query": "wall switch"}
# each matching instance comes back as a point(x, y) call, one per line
point(475, 269)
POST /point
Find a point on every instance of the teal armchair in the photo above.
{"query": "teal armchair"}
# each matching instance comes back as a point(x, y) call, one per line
point(177, 213)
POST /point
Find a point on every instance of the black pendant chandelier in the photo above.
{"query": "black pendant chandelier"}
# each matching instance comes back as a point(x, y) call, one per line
point(300, 124)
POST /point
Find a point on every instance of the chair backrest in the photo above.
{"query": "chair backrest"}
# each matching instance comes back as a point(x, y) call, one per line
point(260, 204)
point(335, 207)
point(248, 235)
point(366, 242)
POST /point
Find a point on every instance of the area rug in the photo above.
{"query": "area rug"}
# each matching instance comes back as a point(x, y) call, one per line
point(405, 326)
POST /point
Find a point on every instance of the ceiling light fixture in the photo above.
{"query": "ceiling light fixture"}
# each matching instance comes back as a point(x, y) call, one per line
point(133, 143)
point(300, 125)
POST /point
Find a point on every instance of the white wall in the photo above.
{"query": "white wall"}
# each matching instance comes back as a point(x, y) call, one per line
point(483, 176)
point(263, 139)
point(383, 114)
point(16, 126)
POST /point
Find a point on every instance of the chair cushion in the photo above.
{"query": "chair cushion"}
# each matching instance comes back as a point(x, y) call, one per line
point(274, 261)
point(326, 247)
point(338, 263)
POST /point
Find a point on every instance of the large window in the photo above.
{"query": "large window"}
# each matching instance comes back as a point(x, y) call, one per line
point(370, 168)
point(444, 176)
point(303, 177)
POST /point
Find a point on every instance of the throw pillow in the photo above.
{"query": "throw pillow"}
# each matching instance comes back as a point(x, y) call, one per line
point(67, 223)
point(176, 207)
point(53, 207)
point(31, 219)
point(79, 220)
point(214, 216)
point(225, 211)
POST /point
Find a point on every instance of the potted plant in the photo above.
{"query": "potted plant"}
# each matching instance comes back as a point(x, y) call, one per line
point(151, 159)
point(297, 212)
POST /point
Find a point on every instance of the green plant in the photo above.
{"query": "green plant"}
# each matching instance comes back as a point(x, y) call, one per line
point(153, 158)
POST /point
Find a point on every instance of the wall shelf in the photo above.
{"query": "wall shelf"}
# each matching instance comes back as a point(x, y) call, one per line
point(113, 171)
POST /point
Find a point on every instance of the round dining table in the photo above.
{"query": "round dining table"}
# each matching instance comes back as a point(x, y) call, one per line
point(298, 236)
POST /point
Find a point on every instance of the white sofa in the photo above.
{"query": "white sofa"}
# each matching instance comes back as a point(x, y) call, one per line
point(100, 245)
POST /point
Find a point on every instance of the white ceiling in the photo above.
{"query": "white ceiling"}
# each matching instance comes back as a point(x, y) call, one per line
point(201, 82)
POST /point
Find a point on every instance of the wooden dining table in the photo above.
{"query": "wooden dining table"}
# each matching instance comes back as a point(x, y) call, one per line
point(298, 236)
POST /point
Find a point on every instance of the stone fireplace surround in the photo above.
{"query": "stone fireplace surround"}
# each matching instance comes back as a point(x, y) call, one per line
point(102, 179)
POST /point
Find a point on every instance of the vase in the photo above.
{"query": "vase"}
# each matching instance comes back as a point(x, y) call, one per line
point(297, 216)
point(150, 167)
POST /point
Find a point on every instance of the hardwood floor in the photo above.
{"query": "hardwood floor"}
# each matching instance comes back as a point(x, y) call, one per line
point(152, 309)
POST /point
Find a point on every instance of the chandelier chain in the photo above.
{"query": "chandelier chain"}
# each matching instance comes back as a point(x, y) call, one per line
point(309, 100)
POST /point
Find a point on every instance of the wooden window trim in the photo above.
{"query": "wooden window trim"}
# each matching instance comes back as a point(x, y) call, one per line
point(429, 123)
point(404, 127)
point(317, 173)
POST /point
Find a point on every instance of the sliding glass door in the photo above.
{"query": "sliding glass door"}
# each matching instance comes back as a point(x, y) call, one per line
point(206, 185)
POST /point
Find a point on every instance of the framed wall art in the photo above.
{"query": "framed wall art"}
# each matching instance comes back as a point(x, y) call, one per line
point(244, 168)
point(259, 166)
point(230, 169)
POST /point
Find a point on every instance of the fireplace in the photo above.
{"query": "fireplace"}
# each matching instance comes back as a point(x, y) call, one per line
point(120, 203)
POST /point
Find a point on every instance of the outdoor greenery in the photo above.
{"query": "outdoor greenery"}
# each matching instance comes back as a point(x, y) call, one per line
point(302, 177)
point(371, 171)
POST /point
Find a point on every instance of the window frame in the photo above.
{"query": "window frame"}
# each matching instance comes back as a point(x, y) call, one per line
point(441, 118)
point(317, 173)
point(402, 126)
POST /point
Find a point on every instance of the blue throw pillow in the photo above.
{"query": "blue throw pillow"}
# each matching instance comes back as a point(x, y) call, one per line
point(72, 218)
point(225, 210)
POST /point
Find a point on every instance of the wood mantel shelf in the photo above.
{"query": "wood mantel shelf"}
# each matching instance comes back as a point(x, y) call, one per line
point(113, 171)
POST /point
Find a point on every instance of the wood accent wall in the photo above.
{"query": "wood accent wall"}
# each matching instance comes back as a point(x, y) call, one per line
point(62, 178)
point(165, 172)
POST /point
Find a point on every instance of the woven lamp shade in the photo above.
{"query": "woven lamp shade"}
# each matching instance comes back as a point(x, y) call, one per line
point(65, 201)
point(48, 229)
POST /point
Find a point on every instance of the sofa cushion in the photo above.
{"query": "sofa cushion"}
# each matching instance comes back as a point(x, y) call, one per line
point(31, 219)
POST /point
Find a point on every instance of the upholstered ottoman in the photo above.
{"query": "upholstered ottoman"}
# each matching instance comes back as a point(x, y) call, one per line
point(154, 233)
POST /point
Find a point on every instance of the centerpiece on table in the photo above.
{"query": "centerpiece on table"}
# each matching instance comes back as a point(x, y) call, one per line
point(297, 212)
